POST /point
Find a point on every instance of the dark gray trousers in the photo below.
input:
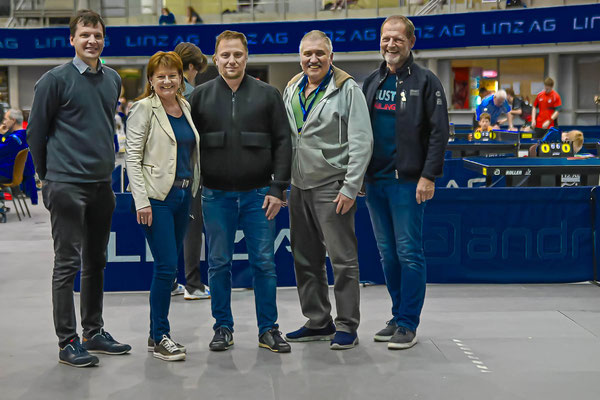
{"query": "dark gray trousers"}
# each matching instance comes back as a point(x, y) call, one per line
point(80, 214)
point(316, 229)
point(192, 246)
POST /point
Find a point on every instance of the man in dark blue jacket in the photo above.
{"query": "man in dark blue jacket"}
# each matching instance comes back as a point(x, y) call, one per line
point(409, 116)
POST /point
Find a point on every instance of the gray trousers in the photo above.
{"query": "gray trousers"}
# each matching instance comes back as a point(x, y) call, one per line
point(315, 229)
point(81, 215)
point(192, 246)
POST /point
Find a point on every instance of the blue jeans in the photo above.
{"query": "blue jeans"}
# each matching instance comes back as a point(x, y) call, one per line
point(398, 226)
point(223, 212)
point(165, 237)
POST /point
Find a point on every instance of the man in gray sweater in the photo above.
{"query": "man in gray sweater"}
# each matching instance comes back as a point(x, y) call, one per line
point(332, 143)
point(70, 134)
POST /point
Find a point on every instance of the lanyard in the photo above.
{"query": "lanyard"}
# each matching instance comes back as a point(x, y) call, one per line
point(306, 111)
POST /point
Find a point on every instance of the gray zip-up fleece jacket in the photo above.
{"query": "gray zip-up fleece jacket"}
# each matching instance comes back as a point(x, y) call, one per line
point(336, 142)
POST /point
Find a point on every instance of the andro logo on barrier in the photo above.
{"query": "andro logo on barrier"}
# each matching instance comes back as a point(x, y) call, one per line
point(447, 241)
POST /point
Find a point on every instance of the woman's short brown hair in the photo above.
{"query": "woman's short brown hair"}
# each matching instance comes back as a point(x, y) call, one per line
point(191, 54)
point(162, 59)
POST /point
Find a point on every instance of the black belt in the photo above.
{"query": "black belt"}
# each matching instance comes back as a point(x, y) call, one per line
point(182, 183)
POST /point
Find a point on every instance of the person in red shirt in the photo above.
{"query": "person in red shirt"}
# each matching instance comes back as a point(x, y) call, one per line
point(549, 104)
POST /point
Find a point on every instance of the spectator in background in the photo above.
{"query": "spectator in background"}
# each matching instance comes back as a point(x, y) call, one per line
point(167, 17)
point(521, 108)
point(497, 106)
point(484, 122)
point(14, 140)
point(194, 62)
point(484, 92)
point(576, 137)
point(192, 17)
point(549, 104)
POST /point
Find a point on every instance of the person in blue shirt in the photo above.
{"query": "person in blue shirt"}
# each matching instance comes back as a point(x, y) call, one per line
point(497, 106)
point(11, 143)
point(167, 17)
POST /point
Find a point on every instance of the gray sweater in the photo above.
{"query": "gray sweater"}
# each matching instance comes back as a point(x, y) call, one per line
point(72, 124)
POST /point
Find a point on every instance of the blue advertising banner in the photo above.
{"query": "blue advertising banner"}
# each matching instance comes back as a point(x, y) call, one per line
point(579, 23)
point(477, 235)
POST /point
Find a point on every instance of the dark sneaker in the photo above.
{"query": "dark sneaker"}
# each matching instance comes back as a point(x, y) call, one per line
point(167, 350)
point(343, 341)
point(305, 334)
point(404, 338)
point(75, 355)
point(386, 333)
point(103, 342)
point(151, 345)
point(273, 341)
point(222, 340)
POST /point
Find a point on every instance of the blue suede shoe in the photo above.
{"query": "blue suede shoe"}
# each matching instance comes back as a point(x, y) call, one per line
point(344, 341)
point(305, 334)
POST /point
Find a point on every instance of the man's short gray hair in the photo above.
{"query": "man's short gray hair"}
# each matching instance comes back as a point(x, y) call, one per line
point(501, 94)
point(316, 34)
point(16, 114)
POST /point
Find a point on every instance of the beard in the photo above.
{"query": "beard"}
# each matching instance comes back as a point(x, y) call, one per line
point(395, 59)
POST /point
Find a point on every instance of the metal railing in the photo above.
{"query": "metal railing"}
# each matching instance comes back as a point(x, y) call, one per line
point(430, 7)
point(23, 12)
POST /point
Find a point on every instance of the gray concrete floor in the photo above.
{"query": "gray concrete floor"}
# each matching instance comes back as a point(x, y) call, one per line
point(475, 342)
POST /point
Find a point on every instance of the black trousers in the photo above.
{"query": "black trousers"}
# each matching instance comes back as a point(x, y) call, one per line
point(81, 215)
point(192, 246)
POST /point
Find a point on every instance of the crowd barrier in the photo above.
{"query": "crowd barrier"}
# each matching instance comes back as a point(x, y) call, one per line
point(471, 235)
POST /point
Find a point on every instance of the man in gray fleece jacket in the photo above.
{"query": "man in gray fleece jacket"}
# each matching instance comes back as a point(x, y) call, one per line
point(70, 134)
point(332, 143)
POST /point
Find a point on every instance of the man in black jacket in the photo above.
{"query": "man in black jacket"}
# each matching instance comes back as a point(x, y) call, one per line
point(246, 161)
point(409, 116)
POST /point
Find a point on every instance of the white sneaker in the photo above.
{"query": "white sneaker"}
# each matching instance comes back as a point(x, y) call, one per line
point(167, 350)
point(197, 294)
point(180, 289)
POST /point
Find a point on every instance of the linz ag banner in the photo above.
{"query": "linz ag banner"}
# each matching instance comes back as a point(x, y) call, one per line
point(493, 28)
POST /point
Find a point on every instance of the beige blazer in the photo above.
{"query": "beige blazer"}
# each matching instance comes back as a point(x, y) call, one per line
point(151, 151)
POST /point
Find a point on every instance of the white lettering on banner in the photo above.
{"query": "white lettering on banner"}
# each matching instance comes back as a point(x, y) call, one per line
point(516, 27)
point(513, 172)
point(51, 42)
point(239, 235)
point(473, 182)
point(149, 257)
point(112, 251)
point(113, 257)
point(585, 23)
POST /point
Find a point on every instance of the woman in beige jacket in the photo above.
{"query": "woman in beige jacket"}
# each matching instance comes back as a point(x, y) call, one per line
point(163, 165)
